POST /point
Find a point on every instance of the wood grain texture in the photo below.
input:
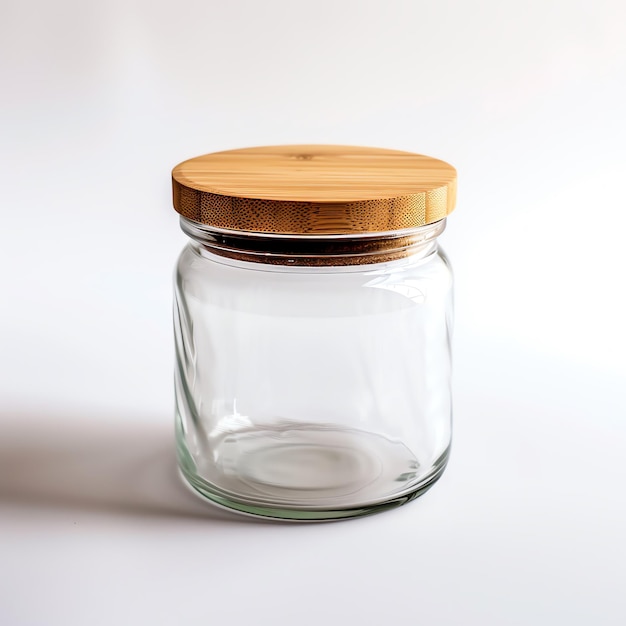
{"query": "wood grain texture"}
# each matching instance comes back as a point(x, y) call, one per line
point(314, 189)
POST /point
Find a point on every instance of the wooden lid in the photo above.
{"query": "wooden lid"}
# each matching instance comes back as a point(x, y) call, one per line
point(314, 190)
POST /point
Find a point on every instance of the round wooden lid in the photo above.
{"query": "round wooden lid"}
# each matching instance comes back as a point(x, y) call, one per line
point(314, 189)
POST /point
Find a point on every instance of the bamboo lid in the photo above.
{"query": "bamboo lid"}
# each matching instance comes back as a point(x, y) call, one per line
point(314, 189)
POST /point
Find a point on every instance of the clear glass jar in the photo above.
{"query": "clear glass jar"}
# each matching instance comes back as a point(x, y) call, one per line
point(313, 370)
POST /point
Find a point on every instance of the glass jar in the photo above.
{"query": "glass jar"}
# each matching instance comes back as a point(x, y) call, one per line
point(313, 312)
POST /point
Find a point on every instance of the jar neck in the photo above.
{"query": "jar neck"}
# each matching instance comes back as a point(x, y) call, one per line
point(316, 250)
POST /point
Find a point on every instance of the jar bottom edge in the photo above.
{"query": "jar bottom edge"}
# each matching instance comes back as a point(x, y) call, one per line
point(283, 512)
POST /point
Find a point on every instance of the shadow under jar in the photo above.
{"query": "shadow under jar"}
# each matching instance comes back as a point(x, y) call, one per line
point(312, 318)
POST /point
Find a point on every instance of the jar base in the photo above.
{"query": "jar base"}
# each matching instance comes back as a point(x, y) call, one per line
point(307, 472)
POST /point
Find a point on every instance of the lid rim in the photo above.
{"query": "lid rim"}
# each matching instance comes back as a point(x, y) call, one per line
point(314, 189)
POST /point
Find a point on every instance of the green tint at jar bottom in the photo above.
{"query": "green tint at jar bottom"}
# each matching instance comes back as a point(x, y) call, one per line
point(298, 471)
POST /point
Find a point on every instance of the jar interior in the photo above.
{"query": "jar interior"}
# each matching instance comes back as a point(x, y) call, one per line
point(308, 392)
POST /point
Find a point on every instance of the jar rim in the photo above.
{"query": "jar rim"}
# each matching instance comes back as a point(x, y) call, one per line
point(314, 251)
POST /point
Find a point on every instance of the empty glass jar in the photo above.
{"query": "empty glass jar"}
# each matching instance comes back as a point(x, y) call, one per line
point(312, 319)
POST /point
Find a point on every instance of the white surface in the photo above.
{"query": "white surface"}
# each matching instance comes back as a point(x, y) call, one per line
point(100, 100)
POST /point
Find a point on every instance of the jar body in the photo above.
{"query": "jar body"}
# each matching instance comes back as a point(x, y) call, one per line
point(313, 392)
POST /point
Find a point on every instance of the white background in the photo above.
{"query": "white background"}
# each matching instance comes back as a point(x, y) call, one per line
point(100, 100)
